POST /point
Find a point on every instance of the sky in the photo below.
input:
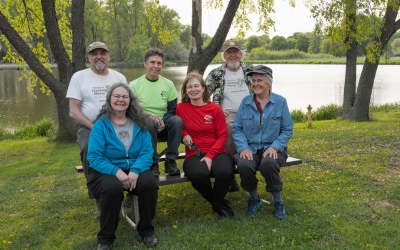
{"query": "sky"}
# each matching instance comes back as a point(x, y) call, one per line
point(288, 20)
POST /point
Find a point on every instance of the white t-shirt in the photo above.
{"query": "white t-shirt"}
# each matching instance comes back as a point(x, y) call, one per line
point(234, 91)
point(91, 89)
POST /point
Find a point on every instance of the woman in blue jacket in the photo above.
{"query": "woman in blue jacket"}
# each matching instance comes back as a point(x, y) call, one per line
point(120, 155)
point(261, 131)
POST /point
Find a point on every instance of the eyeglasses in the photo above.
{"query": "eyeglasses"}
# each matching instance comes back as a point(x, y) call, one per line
point(125, 97)
point(197, 152)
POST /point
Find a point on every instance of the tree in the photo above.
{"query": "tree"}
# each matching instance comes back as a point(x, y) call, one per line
point(200, 57)
point(252, 42)
point(55, 20)
point(302, 43)
point(348, 22)
point(291, 43)
point(314, 46)
point(278, 43)
point(396, 45)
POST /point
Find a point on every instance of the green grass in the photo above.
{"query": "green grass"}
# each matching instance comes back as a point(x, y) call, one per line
point(344, 196)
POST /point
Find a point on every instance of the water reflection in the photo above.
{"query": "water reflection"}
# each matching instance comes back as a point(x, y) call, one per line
point(302, 85)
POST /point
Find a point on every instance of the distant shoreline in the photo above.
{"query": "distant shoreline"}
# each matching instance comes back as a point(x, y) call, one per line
point(342, 60)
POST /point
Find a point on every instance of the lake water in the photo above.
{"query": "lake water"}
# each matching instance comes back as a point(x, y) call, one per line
point(301, 85)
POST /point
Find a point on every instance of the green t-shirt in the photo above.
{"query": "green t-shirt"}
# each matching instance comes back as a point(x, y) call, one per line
point(154, 96)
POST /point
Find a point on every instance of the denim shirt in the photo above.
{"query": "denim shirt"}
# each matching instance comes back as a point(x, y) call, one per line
point(274, 130)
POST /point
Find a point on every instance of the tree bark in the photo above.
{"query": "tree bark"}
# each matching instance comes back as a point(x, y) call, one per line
point(360, 108)
point(200, 58)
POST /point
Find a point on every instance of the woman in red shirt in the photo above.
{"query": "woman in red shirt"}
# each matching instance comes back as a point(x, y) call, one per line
point(204, 135)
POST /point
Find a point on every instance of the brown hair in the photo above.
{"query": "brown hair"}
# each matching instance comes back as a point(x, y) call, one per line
point(190, 76)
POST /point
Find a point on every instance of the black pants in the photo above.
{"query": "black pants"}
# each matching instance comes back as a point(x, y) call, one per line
point(110, 190)
point(82, 140)
point(269, 169)
point(198, 174)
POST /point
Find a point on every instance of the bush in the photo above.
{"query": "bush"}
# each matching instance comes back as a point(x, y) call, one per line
point(298, 116)
point(4, 134)
point(327, 112)
point(26, 132)
point(44, 127)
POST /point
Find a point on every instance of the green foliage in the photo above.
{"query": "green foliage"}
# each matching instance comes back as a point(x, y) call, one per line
point(175, 51)
point(385, 107)
point(251, 43)
point(327, 112)
point(298, 116)
point(262, 54)
point(303, 43)
point(43, 128)
point(137, 48)
point(278, 43)
point(291, 43)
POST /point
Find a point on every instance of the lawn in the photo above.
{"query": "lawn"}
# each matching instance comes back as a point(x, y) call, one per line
point(344, 196)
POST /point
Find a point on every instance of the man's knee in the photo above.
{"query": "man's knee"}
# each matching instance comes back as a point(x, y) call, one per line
point(175, 122)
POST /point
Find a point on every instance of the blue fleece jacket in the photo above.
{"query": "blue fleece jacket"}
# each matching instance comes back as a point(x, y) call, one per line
point(107, 154)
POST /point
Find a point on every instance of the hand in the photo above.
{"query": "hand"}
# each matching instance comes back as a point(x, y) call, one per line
point(159, 122)
point(208, 162)
point(187, 140)
point(133, 177)
point(271, 152)
point(226, 113)
point(246, 154)
point(124, 179)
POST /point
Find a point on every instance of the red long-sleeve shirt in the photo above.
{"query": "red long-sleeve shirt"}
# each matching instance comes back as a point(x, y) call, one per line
point(206, 125)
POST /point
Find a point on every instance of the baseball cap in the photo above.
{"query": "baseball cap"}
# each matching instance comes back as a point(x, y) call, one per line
point(97, 45)
point(231, 44)
point(260, 69)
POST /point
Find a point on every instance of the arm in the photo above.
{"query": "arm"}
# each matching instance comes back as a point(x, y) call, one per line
point(286, 129)
point(221, 133)
point(76, 113)
point(239, 138)
point(97, 148)
point(145, 158)
point(171, 109)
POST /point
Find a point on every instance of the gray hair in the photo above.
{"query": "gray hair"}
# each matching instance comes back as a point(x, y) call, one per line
point(241, 51)
point(135, 110)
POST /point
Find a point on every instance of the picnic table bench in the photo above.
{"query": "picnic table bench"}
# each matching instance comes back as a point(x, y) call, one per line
point(164, 180)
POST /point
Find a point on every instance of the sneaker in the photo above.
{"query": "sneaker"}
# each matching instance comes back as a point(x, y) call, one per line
point(280, 212)
point(170, 167)
point(233, 187)
point(103, 247)
point(252, 206)
point(150, 241)
point(128, 202)
point(97, 212)
point(154, 168)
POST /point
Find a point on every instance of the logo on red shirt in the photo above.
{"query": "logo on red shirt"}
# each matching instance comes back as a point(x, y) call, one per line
point(208, 119)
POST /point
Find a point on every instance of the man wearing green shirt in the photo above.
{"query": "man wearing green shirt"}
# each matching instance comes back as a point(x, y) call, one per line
point(159, 97)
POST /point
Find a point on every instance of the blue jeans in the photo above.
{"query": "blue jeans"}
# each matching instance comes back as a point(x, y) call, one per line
point(173, 133)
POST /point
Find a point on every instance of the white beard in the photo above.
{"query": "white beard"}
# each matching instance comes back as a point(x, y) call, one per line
point(234, 65)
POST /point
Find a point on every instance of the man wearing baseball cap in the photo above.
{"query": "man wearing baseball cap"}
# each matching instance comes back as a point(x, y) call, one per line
point(87, 92)
point(228, 85)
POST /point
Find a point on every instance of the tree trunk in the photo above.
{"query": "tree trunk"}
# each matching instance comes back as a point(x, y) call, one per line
point(200, 58)
point(359, 109)
point(351, 61)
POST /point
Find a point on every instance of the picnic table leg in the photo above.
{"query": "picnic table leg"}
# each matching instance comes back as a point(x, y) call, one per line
point(125, 215)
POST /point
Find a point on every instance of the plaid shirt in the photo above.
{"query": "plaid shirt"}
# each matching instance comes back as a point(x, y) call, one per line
point(216, 81)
